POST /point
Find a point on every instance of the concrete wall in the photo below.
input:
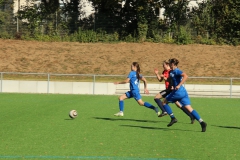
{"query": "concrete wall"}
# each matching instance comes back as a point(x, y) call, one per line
point(15, 86)
point(56, 87)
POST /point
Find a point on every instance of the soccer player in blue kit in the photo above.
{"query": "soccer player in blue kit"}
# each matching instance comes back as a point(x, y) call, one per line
point(168, 84)
point(180, 94)
point(133, 78)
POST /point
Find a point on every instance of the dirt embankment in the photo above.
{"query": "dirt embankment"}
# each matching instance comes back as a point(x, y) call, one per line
point(115, 59)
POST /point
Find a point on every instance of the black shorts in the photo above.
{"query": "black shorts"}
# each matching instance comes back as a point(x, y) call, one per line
point(165, 92)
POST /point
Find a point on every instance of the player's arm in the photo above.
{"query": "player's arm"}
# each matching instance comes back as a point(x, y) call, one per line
point(145, 84)
point(123, 82)
point(160, 78)
point(184, 78)
point(169, 79)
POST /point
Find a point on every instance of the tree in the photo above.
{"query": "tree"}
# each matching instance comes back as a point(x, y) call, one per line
point(201, 19)
point(51, 5)
point(6, 19)
point(72, 12)
point(226, 15)
point(107, 15)
point(220, 18)
point(129, 17)
point(33, 15)
point(176, 11)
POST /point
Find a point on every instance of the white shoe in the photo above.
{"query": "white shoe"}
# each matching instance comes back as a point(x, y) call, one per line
point(119, 114)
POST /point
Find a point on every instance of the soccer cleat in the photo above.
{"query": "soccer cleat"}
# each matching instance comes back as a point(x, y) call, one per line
point(204, 126)
point(119, 114)
point(162, 114)
point(192, 120)
point(173, 120)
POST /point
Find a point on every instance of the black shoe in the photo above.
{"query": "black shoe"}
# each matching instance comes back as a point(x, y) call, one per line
point(192, 120)
point(204, 126)
point(162, 114)
point(173, 120)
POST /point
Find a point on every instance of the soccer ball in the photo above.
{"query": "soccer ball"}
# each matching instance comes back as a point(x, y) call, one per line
point(73, 114)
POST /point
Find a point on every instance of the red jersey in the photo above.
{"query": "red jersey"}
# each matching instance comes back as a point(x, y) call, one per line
point(166, 74)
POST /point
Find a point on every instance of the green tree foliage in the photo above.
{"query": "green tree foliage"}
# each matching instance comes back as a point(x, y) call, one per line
point(201, 20)
point(6, 17)
point(66, 17)
point(220, 19)
point(129, 18)
point(176, 11)
point(51, 5)
point(71, 10)
point(107, 15)
point(226, 15)
point(133, 20)
point(32, 15)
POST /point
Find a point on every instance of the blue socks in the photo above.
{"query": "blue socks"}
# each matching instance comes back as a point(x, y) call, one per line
point(121, 106)
point(196, 115)
point(148, 105)
point(168, 110)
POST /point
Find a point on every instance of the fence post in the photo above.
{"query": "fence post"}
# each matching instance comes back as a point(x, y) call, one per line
point(1, 80)
point(94, 79)
point(17, 17)
point(230, 87)
point(48, 83)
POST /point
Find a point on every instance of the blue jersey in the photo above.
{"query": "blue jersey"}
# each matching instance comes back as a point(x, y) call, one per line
point(176, 76)
point(181, 94)
point(134, 81)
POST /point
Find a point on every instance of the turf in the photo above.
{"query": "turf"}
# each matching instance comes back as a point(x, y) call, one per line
point(37, 126)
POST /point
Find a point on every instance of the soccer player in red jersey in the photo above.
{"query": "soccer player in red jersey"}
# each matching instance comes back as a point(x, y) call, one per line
point(168, 84)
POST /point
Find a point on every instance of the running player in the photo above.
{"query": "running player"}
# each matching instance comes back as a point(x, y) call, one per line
point(180, 94)
point(168, 84)
point(133, 78)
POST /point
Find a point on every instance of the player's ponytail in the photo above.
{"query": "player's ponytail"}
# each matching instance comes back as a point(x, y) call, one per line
point(138, 69)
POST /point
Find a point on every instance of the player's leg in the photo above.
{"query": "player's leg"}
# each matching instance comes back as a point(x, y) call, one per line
point(169, 110)
point(159, 102)
point(179, 105)
point(186, 103)
point(197, 117)
point(121, 103)
point(148, 105)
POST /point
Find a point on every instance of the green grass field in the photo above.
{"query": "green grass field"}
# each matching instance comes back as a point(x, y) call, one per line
point(37, 126)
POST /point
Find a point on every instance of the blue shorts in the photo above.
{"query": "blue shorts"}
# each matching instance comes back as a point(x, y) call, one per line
point(180, 95)
point(134, 94)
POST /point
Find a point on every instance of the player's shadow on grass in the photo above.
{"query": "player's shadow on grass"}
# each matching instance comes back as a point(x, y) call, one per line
point(136, 120)
point(69, 119)
point(126, 119)
point(158, 128)
point(229, 127)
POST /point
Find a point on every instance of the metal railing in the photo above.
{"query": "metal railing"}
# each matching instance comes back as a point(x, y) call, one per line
point(225, 86)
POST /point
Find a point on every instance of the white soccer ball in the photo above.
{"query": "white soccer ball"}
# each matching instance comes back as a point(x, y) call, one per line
point(73, 114)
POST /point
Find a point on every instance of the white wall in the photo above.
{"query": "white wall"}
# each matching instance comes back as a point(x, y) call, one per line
point(17, 86)
point(56, 87)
